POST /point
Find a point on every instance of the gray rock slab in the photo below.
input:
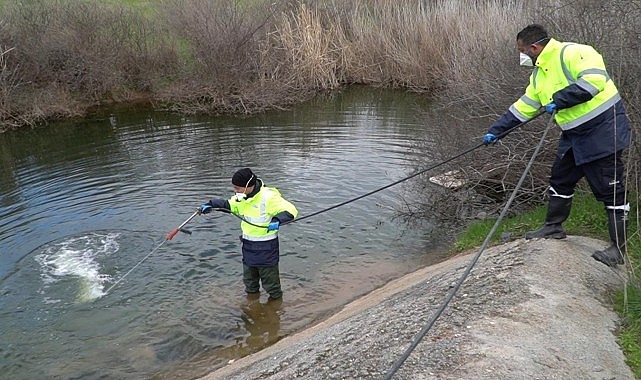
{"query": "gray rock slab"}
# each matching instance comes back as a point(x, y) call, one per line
point(538, 309)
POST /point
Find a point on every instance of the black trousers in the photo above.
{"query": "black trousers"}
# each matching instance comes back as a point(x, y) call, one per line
point(605, 177)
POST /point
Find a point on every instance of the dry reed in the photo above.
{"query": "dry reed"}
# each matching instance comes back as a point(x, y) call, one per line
point(205, 56)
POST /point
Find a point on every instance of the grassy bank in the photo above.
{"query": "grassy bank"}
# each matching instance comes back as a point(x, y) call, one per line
point(584, 220)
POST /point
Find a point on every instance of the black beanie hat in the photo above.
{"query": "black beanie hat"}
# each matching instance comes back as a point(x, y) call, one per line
point(244, 178)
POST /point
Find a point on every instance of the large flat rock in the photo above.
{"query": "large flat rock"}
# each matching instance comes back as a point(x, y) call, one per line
point(538, 309)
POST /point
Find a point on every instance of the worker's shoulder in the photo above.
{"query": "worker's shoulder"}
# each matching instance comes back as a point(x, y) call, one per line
point(271, 191)
point(578, 49)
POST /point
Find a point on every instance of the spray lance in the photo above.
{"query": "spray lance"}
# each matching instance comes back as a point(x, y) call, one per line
point(168, 237)
point(180, 228)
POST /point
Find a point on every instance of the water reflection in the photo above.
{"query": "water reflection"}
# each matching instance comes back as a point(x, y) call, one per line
point(262, 322)
point(71, 194)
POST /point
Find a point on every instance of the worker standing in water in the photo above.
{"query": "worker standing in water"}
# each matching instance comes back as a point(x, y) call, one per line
point(262, 209)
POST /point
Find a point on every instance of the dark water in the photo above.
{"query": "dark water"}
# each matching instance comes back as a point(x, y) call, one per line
point(83, 203)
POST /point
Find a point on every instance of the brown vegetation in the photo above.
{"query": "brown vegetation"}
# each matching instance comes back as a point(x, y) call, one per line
point(60, 58)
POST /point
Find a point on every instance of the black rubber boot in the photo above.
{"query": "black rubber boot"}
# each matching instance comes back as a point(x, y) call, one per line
point(613, 255)
point(558, 211)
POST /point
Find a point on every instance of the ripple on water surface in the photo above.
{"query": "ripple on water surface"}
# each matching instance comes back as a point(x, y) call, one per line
point(86, 205)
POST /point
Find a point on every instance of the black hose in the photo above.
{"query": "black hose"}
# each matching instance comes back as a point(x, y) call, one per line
point(391, 184)
point(415, 174)
point(472, 263)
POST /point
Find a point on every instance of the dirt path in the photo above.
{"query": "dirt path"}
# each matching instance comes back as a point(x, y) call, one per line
point(529, 310)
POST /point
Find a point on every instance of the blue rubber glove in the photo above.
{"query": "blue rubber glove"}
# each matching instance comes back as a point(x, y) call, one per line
point(273, 226)
point(550, 108)
point(490, 138)
point(205, 208)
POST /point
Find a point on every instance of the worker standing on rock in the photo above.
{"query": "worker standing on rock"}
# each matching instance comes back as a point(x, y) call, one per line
point(570, 80)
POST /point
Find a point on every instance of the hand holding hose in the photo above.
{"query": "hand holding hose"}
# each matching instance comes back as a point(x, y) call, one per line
point(273, 226)
point(490, 138)
point(205, 208)
point(550, 108)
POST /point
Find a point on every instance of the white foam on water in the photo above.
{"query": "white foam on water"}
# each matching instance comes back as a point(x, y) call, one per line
point(79, 258)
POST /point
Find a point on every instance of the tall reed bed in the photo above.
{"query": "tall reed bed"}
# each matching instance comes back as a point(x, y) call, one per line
point(63, 56)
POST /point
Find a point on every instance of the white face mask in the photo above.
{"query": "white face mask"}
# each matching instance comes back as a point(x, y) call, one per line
point(525, 60)
point(241, 196)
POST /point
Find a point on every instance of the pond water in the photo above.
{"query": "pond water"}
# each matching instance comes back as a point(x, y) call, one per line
point(85, 207)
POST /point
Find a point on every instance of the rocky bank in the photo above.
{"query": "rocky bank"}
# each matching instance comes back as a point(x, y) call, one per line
point(538, 309)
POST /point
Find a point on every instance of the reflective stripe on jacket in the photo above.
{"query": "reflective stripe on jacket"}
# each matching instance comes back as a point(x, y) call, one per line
point(559, 65)
point(259, 210)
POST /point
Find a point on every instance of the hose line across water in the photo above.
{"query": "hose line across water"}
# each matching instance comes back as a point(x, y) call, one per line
point(176, 230)
point(393, 183)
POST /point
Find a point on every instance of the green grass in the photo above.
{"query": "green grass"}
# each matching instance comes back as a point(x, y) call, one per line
point(587, 218)
point(630, 335)
point(475, 234)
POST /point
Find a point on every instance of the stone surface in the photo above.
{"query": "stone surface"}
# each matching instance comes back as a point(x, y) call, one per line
point(536, 309)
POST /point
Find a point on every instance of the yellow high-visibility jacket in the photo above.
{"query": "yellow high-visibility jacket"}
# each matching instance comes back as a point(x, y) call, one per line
point(590, 111)
point(559, 65)
point(259, 209)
